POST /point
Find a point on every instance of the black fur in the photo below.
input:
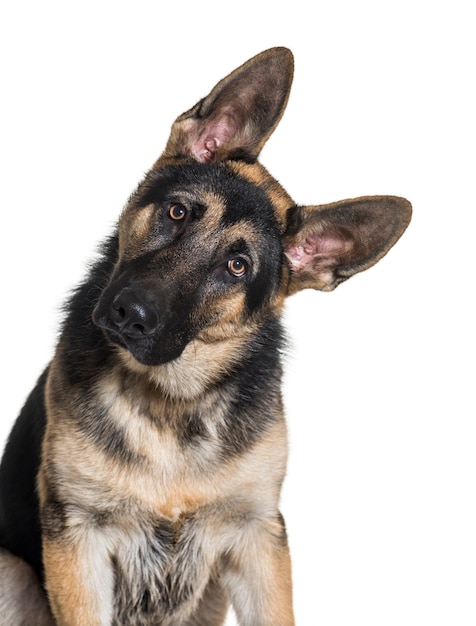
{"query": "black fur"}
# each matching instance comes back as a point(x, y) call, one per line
point(86, 350)
point(161, 459)
point(255, 382)
point(20, 531)
point(244, 202)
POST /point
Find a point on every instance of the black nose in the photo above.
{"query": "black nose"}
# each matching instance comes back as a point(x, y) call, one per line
point(132, 316)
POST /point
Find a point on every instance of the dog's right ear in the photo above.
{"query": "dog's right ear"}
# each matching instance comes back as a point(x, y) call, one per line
point(235, 120)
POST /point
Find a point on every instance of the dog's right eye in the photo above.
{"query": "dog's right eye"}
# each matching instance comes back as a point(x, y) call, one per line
point(237, 267)
point(177, 212)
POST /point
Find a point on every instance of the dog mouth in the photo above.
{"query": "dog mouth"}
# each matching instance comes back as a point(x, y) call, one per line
point(150, 350)
point(149, 346)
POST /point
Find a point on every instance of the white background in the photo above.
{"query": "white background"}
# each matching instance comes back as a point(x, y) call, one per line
point(380, 494)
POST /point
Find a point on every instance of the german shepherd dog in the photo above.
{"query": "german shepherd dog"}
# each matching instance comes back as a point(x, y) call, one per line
point(141, 481)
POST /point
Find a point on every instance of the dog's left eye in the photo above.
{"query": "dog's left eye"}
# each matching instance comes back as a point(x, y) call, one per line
point(237, 267)
point(177, 212)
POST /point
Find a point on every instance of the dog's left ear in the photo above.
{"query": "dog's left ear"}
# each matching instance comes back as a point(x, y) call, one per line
point(237, 117)
point(328, 244)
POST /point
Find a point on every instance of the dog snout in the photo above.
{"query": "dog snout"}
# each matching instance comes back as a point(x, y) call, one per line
point(133, 316)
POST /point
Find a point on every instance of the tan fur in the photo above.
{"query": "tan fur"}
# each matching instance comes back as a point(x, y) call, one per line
point(266, 561)
point(154, 504)
point(171, 483)
point(80, 586)
point(259, 175)
point(134, 229)
point(202, 363)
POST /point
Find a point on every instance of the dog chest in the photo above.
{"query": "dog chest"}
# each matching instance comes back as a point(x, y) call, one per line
point(160, 571)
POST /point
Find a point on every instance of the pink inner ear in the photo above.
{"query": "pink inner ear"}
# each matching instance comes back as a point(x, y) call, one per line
point(214, 135)
point(318, 247)
point(204, 151)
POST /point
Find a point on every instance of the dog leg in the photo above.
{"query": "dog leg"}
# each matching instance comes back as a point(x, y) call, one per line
point(79, 581)
point(258, 578)
point(22, 601)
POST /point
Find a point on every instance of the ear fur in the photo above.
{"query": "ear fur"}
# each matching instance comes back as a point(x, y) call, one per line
point(240, 113)
point(327, 244)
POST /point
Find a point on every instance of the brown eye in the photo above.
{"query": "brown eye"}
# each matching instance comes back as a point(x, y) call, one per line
point(177, 212)
point(237, 267)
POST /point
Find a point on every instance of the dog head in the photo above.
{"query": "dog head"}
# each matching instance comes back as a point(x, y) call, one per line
point(210, 244)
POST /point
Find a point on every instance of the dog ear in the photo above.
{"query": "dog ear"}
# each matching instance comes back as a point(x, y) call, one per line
point(237, 117)
point(327, 244)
